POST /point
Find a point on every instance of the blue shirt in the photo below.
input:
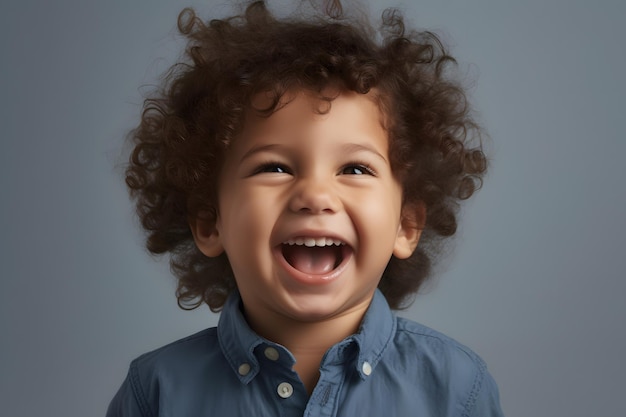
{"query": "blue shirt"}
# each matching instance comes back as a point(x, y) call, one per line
point(392, 367)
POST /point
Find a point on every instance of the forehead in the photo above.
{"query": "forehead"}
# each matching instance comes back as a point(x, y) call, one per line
point(311, 122)
point(273, 111)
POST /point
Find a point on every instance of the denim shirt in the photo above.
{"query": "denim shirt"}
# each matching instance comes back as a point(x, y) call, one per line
point(392, 367)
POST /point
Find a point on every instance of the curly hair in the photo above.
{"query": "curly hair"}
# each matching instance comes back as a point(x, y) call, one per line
point(188, 123)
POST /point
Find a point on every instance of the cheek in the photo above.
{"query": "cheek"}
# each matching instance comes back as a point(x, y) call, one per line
point(246, 220)
point(377, 218)
point(383, 203)
point(381, 219)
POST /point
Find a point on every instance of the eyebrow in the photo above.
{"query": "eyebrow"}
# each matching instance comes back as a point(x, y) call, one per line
point(257, 149)
point(347, 148)
point(358, 147)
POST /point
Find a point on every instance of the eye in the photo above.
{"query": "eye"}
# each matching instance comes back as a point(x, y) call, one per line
point(272, 168)
point(357, 169)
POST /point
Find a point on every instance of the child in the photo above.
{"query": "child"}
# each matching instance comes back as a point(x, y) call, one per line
point(290, 168)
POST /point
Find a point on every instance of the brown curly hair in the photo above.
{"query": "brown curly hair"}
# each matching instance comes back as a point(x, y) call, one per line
point(189, 122)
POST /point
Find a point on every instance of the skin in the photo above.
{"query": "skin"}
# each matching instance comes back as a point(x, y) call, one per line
point(301, 174)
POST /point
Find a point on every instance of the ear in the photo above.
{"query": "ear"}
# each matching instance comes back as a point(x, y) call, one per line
point(206, 235)
point(412, 221)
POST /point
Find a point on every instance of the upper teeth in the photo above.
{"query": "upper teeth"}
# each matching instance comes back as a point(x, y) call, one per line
point(310, 242)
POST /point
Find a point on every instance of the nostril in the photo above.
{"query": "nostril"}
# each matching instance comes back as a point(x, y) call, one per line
point(314, 203)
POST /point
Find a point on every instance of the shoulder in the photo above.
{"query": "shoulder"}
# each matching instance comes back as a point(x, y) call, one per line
point(458, 375)
point(179, 355)
point(194, 343)
point(152, 375)
point(429, 344)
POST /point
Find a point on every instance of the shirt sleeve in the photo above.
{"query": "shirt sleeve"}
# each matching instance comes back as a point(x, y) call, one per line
point(488, 399)
point(125, 403)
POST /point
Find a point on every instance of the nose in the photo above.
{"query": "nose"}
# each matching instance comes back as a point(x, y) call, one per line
point(314, 196)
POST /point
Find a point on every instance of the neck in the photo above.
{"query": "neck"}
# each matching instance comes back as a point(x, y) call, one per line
point(307, 341)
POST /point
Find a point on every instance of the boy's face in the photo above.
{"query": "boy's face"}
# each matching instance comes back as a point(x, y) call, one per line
point(298, 179)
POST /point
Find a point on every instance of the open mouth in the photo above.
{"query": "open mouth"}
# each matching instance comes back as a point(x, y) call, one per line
point(314, 256)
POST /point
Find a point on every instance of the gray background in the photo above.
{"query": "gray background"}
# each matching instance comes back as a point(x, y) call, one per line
point(535, 284)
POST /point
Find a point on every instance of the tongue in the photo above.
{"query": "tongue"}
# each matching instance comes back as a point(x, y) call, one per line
point(314, 260)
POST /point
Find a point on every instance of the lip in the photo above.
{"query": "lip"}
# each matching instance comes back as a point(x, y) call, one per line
point(314, 279)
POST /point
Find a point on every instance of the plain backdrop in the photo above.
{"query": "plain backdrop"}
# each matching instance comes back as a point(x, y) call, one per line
point(535, 285)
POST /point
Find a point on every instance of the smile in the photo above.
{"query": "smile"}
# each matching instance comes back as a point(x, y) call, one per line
point(319, 257)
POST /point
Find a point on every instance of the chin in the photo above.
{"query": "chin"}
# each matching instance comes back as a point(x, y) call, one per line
point(319, 307)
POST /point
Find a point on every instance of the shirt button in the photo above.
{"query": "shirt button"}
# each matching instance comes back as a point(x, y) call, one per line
point(366, 368)
point(271, 353)
point(244, 369)
point(285, 390)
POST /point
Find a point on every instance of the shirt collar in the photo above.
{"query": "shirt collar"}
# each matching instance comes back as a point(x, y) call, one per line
point(239, 342)
point(375, 334)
